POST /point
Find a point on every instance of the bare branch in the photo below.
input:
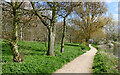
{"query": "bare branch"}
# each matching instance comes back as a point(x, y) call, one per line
point(20, 4)
point(46, 17)
point(9, 3)
point(40, 17)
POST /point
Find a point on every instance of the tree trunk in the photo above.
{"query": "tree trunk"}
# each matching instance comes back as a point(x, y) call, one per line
point(14, 48)
point(52, 32)
point(14, 42)
point(63, 36)
point(87, 44)
point(87, 40)
point(51, 39)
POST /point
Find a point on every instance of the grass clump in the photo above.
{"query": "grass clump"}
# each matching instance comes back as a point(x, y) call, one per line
point(104, 62)
point(35, 58)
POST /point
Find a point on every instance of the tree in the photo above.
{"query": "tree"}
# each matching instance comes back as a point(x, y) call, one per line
point(66, 9)
point(13, 8)
point(99, 35)
point(51, 7)
point(112, 28)
point(89, 16)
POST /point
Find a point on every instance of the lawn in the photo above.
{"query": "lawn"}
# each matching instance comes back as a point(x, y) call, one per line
point(35, 58)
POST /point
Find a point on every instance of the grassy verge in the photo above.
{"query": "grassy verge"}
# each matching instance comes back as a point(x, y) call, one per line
point(35, 58)
point(104, 62)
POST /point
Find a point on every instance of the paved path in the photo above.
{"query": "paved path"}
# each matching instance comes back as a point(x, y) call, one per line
point(81, 64)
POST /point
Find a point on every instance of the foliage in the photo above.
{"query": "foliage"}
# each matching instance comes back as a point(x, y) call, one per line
point(111, 28)
point(104, 62)
point(35, 58)
point(83, 46)
point(87, 24)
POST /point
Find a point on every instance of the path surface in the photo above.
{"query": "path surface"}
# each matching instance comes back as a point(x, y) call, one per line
point(81, 64)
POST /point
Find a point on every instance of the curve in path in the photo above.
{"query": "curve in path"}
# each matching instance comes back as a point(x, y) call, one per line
point(81, 64)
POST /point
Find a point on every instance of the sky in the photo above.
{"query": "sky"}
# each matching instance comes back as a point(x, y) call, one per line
point(112, 6)
point(113, 9)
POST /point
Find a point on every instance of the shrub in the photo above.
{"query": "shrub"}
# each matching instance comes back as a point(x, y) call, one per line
point(104, 62)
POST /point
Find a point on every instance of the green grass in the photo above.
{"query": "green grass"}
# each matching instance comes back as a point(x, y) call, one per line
point(35, 58)
point(104, 62)
point(96, 46)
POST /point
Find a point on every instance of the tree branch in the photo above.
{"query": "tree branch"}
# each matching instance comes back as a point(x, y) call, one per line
point(20, 4)
point(9, 3)
point(40, 17)
point(46, 17)
point(6, 9)
point(49, 4)
point(36, 9)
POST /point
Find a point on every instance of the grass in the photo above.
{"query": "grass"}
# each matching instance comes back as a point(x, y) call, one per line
point(35, 58)
point(96, 46)
point(104, 62)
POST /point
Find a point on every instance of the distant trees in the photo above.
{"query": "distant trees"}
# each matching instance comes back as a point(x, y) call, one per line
point(59, 27)
point(112, 28)
point(99, 35)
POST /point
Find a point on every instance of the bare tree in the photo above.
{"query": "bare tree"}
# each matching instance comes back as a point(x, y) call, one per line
point(66, 9)
point(50, 7)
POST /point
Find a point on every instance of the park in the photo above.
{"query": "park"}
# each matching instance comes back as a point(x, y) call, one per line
point(52, 37)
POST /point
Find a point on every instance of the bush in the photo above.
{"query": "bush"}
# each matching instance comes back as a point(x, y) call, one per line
point(83, 46)
point(104, 62)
